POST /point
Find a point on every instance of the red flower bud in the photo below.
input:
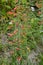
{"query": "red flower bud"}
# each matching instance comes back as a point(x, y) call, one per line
point(19, 59)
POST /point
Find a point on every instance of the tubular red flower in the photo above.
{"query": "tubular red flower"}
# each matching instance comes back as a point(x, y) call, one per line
point(19, 58)
point(9, 34)
point(15, 8)
point(17, 48)
point(15, 31)
point(10, 12)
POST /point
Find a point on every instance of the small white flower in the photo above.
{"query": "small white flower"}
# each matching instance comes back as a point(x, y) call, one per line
point(10, 23)
point(33, 9)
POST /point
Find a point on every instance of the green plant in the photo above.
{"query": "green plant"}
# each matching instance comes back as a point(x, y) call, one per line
point(23, 28)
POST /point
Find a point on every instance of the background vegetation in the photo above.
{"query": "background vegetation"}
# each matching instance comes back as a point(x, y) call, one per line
point(21, 32)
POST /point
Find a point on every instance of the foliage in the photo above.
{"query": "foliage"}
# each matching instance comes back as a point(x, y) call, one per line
point(23, 28)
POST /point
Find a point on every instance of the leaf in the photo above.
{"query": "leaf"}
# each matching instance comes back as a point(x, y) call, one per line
point(24, 1)
point(3, 1)
point(34, 20)
point(8, 7)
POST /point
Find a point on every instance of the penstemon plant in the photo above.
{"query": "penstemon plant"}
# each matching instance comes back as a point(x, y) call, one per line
point(21, 32)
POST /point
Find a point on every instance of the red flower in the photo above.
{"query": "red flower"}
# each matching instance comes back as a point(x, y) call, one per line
point(9, 34)
point(19, 58)
point(15, 8)
point(15, 31)
point(17, 48)
point(39, 12)
point(10, 12)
